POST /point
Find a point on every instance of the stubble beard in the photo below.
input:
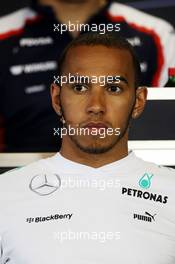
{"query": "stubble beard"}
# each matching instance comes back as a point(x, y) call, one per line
point(97, 146)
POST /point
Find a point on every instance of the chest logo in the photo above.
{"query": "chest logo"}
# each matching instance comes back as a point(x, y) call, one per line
point(145, 181)
point(147, 217)
point(45, 184)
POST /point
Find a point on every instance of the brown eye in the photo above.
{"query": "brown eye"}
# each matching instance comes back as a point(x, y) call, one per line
point(114, 89)
point(79, 88)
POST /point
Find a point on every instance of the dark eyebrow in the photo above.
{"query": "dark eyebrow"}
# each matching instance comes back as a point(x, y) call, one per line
point(81, 78)
point(120, 78)
point(114, 78)
point(123, 80)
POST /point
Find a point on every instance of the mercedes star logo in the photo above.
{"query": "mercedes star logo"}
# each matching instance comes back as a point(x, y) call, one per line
point(45, 184)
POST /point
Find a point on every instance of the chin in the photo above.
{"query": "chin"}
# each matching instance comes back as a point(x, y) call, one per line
point(95, 145)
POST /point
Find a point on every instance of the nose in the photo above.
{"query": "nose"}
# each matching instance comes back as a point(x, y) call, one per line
point(96, 101)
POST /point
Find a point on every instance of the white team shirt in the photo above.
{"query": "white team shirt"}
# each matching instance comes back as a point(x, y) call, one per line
point(58, 211)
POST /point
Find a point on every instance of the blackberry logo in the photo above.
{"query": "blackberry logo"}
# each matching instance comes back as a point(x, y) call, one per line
point(147, 217)
point(48, 218)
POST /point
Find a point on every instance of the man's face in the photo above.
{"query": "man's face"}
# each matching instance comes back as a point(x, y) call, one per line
point(93, 105)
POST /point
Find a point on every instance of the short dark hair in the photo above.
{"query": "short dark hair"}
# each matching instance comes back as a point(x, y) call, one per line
point(112, 39)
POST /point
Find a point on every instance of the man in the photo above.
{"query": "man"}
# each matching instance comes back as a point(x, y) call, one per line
point(31, 42)
point(94, 202)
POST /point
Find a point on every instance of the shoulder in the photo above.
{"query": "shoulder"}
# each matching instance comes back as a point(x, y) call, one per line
point(136, 17)
point(160, 169)
point(18, 176)
point(14, 23)
point(18, 180)
point(163, 178)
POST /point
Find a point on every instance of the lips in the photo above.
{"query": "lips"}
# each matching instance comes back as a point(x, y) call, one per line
point(96, 125)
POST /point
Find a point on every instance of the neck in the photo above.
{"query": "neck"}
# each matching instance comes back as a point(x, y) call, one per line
point(71, 152)
point(74, 11)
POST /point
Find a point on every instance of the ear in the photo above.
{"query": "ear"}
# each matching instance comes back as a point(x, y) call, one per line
point(55, 96)
point(141, 96)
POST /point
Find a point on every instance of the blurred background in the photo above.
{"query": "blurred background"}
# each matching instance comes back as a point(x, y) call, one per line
point(161, 8)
